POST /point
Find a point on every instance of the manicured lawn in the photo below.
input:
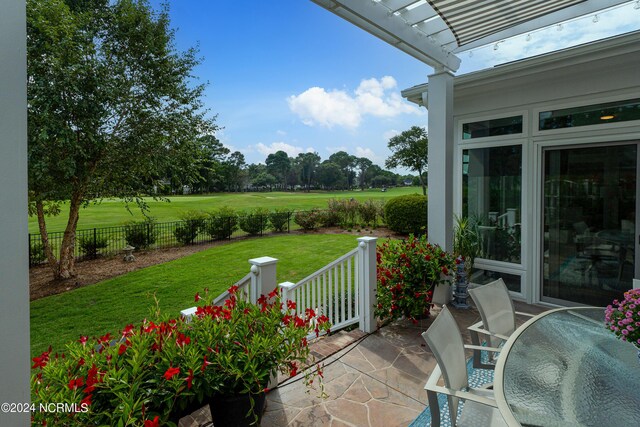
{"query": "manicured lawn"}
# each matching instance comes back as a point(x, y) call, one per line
point(113, 212)
point(110, 305)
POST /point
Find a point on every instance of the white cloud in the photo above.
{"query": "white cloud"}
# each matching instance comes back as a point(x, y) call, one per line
point(369, 154)
point(281, 133)
point(390, 134)
point(373, 97)
point(291, 150)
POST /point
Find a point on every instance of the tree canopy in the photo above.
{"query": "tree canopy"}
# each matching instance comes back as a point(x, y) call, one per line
point(112, 107)
point(410, 150)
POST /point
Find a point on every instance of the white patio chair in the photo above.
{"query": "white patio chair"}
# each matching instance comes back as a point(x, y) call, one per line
point(498, 318)
point(480, 408)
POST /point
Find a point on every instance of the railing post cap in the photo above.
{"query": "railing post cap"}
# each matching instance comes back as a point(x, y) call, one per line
point(367, 239)
point(287, 285)
point(262, 261)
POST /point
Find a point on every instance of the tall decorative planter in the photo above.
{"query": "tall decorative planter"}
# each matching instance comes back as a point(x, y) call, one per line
point(462, 285)
point(442, 294)
point(237, 411)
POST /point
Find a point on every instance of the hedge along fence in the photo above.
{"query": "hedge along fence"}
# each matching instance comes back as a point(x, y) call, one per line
point(193, 229)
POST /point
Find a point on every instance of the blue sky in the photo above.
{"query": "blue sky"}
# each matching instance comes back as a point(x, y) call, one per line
point(290, 75)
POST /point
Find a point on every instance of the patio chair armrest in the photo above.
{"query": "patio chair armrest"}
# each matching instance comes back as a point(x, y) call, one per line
point(480, 330)
point(465, 395)
point(482, 348)
point(521, 313)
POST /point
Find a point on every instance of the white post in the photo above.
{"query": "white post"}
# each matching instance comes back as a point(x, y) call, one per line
point(14, 269)
point(368, 283)
point(285, 288)
point(440, 173)
point(263, 279)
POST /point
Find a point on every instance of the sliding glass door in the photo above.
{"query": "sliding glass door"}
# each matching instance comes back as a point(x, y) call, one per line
point(589, 223)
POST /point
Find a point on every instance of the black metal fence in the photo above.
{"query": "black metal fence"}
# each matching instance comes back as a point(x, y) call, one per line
point(107, 241)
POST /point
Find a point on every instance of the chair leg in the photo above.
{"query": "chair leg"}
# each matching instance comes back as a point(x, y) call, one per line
point(477, 354)
point(434, 408)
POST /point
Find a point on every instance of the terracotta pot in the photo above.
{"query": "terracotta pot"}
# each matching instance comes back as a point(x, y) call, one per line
point(233, 411)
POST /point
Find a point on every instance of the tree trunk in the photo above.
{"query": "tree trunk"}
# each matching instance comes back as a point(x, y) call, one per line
point(66, 265)
point(44, 236)
point(424, 187)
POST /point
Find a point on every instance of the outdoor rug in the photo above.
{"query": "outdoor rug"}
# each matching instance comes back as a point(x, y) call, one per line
point(477, 378)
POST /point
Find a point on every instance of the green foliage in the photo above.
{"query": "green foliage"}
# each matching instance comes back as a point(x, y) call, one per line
point(91, 245)
point(37, 253)
point(407, 214)
point(113, 107)
point(408, 271)
point(140, 234)
point(145, 372)
point(369, 211)
point(222, 223)
point(410, 150)
point(466, 241)
point(254, 222)
point(187, 230)
point(308, 220)
point(279, 219)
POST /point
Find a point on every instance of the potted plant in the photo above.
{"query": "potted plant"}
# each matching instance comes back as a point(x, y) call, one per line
point(246, 344)
point(623, 318)
point(152, 374)
point(466, 248)
point(409, 272)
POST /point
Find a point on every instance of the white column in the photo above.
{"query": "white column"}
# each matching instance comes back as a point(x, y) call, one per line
point(263, 279)
point(440, 172)
point(14, 278)
point(367, 283)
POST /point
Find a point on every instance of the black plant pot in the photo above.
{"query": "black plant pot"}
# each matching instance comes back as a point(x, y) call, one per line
point(178, 413)
point(235, 411)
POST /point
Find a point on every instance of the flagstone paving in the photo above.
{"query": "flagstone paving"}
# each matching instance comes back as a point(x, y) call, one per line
point(369, 380)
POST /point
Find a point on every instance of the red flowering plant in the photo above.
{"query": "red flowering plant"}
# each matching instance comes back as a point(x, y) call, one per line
point(114, 379)
point(145, 375)
point(247, 344)
point(408, 271)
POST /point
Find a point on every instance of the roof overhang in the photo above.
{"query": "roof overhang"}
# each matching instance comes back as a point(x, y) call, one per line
point(433, 31)
point(601, 50)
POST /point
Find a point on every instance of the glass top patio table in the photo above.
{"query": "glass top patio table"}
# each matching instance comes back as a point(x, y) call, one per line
point(563, 368)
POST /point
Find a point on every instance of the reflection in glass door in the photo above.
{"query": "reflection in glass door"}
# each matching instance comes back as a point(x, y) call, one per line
point(589, 199)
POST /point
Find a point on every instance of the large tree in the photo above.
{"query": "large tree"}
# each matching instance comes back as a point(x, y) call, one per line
point(410, 150)
point(308, 163)
point(363, 165)
point(347, 163)
point(112, 107)
point(279, 165)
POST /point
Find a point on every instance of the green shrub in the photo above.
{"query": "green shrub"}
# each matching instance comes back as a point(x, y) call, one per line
point(279, 219)
point(92, 245)
point(308, 220)
point(407, 273)
point(255, 222)
point(369, 210)
point(331, 217)
point(187, 230)
point(222, 223)
point(407, 214)
point(37, 254)
point(140, 234)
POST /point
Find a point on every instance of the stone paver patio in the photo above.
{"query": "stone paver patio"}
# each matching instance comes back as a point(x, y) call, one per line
point(374, 380)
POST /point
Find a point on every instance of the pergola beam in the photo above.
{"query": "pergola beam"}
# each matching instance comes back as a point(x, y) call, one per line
point(378, 20)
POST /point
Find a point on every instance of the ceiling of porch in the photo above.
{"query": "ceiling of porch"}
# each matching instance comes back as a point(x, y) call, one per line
point(434, 31)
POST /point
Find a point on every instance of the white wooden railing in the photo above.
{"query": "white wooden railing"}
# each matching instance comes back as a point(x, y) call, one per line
point(343, 290)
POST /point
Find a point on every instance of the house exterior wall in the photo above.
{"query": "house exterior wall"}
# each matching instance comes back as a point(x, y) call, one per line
point(592, 74)
point(14, 281)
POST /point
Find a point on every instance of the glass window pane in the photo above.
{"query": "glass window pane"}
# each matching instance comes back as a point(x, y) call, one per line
point(493, 127)
point(611, 112)
point(589, 223)
point(482, 277)
point(491, 193)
